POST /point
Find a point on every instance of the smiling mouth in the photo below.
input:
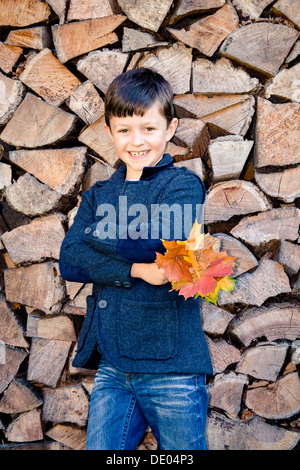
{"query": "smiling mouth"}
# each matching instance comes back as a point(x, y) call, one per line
point(138, 154)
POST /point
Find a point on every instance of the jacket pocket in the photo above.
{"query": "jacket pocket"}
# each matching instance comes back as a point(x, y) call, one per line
point(147, 330)
point(90, 302)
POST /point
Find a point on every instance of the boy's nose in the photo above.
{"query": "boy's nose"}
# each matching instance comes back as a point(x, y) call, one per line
point(137, 138)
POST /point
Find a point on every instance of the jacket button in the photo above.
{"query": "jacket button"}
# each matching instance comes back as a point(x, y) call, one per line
point(87, 230)
point(96, 233)
point(102, 303)
point(126, 284)
point(117, 283)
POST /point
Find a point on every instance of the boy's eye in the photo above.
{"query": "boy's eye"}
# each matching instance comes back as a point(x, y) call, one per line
point(149, 129)
point(123, 131)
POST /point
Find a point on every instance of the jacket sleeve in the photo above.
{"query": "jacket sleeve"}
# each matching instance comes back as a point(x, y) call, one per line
point(180, 203)
point(80, 262)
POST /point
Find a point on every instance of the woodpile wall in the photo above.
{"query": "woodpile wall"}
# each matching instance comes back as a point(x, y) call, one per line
point(235, 71)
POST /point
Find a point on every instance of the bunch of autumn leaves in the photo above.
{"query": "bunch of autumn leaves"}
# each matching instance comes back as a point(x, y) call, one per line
point(196, 266)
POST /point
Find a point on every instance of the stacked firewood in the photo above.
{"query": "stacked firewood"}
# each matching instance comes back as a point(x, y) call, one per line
point(234, 68)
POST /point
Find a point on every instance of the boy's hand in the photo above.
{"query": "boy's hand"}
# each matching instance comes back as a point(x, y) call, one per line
point(150, 273)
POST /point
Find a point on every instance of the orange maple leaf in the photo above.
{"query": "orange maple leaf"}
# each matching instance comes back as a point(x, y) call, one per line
point(196, 267)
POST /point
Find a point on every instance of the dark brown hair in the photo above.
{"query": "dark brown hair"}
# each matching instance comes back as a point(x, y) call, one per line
point(135, 91)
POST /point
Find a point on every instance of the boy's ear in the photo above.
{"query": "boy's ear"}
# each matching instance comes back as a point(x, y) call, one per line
point(172, 128)
point(108, 131)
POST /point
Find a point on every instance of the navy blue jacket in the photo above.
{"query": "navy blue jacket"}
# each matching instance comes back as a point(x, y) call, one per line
point(137, 326)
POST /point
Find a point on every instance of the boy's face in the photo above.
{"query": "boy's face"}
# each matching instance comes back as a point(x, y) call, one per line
point(140, 141)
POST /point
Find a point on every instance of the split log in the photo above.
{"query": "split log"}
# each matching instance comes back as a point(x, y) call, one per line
point(221, 77)
point(263, 362)
point(50, 79)
point(167, 62)
point(134, 40)
point(97, 172)
point(5, 175)
point(283, 185)
point(59, 7)
point(250, 46)
point(69, 435)
point(222, 354)
point(227, 434)
point(79, 37)
point(72, 288)
point(44, 445)
point(287, 10)
point(13, 358)
point(37, 37)
point(32, 198)
point(215, 320)
point(47, 359)
point(21, 13)
point(95, 137)
point(26, 427)
point(18, 398)
point(38, 285)
point(37, 123)
point(79, 10)
point(81, 371)
point(9, 56)
point(61, 169)
point(295, 51)
point(276, 134)
point(11, 92)
point(66, 404)
point(276, 224)
point(149, 15)
point(86, 102)
point(277, 321)
point(289, 257)
point(36, 241)
point(77, 306)
point(285, 84)
point(193, 164)
point(251, 9)
point(224, 114)
point(185, 8)
point(226, 393)
point(59, 327)
point(268, 280)
point(149, 442)
point(192, 133)
point(209, 32)
point(101, 67)
point(276, 401)
point(236, 197)
point(178, 153)
point(244, 261)
point(11, 332)
point(228, 157)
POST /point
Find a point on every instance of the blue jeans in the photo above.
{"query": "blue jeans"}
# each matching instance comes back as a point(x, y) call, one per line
point(122, 406)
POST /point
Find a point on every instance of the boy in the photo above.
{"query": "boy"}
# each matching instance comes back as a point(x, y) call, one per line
point(145, 339)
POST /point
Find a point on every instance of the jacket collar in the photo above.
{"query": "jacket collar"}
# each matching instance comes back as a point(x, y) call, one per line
point(148, 172)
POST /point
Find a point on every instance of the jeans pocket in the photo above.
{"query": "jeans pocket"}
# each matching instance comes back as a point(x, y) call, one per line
point(147, 330)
